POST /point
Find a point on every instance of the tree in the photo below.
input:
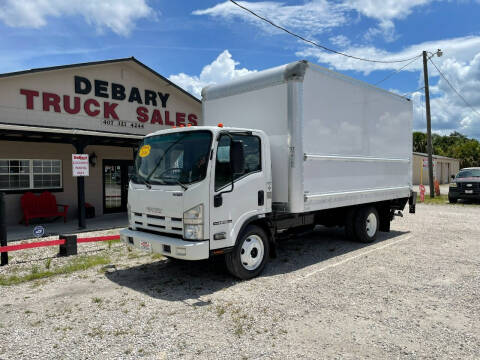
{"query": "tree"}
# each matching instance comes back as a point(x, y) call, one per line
point(419, 142)
point(455, 145)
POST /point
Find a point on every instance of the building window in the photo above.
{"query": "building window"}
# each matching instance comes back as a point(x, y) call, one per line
point(30, 174)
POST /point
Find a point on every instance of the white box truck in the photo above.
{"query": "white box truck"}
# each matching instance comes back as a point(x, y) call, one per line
point(301, 146)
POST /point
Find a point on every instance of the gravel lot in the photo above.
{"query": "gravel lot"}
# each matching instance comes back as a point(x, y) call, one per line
point(415, 293)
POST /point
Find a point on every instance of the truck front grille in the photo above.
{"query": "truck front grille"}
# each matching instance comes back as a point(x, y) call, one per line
point(158, 223)
point(178, 236)
point(469, 186)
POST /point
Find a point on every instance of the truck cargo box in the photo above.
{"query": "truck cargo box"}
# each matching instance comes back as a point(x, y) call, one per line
point(335, 141)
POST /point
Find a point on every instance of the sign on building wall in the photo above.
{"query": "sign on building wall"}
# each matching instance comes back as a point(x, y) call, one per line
point(425, 162)
point(80, 165)
point(113, 98)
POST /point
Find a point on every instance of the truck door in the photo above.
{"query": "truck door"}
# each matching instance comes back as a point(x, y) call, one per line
point(248, 197)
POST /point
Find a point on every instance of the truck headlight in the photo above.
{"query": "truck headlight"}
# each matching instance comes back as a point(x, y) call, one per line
point(453, 185)
point(129, 213)
point(193, 232)
point(193, 223)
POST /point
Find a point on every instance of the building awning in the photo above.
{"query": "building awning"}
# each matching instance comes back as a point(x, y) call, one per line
point(11, 132)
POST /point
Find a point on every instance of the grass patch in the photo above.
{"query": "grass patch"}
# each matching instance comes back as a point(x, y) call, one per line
point(220, 310)
point(110, 242)
point(157, 256)
point(442, 199)
point(48, 263)
point(77, 264)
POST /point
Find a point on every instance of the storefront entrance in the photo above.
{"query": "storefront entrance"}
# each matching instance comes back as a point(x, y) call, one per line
point(116, 174)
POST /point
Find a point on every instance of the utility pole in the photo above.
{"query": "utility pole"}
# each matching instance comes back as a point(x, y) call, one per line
point(429, 127)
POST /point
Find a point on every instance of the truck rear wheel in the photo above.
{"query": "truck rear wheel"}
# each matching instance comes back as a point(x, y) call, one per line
point(250, 254)
point(367, 222)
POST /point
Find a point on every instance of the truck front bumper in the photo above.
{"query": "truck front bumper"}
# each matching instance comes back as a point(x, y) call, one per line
point(168, 246)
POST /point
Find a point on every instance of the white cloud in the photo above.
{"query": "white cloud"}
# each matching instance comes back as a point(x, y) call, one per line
point(461, 49)
point(449, 111)
point(222, 69)
point(311, 18)
point(340, 40)
point(316, 16)
point(117, 15)
point(384, 10)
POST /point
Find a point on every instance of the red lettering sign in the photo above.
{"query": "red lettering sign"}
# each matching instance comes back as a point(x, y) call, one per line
point(180, 119)
point(192, 119)
point(142, 113)
point(156, 117)
point(93, 108)
point(87, 107)
point(29, 95)
point(49, 100)
point(167, 119)
point(109, 110)
point(76, 104)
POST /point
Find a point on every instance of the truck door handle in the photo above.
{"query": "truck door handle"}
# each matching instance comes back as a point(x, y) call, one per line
point(261, 198)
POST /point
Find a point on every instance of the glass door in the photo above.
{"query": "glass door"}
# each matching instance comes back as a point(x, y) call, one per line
point(116, 175)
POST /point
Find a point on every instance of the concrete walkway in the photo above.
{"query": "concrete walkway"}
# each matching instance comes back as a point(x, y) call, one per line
point(104, 222)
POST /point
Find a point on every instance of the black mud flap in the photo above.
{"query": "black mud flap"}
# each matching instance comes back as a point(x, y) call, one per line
point(412, 201)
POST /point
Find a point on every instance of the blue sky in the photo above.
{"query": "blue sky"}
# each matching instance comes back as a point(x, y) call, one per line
point(195, 43)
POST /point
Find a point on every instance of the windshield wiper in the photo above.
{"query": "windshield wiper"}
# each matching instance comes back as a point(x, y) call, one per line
point(143, 181)
point(185, 187)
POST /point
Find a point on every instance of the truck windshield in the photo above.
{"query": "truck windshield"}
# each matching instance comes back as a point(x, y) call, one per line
point(468, 173)
point(173, 159)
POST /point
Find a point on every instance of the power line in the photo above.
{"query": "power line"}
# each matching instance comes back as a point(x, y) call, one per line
point(397, 71)
point(453, 88)
point(318, 45)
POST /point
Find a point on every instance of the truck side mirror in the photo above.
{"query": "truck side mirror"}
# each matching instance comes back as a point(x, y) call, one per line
point(237, 157)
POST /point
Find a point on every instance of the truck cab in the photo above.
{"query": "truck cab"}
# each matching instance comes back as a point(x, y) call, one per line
point(196, 188)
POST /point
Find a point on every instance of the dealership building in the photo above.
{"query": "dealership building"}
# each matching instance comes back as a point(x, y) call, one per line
point(101, 109)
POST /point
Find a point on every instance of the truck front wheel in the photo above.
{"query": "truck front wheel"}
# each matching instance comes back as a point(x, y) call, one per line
point(250, 254)
point(367, 222)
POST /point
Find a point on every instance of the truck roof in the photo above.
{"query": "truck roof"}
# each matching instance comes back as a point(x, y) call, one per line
point(277, 75)
point(214, 129)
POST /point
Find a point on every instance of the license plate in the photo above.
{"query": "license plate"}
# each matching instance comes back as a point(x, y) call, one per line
point(146, 246)
point(468, 191)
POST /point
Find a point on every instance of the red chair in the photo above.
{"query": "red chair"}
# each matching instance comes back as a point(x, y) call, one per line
point(41, 206)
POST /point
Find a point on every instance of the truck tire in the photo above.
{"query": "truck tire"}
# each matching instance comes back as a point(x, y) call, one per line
point(350, 224)
point(452, 200)
point(249, 255)
point(367, 222)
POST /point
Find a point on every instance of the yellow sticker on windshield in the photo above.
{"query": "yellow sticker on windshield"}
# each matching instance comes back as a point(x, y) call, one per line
point(144, 151)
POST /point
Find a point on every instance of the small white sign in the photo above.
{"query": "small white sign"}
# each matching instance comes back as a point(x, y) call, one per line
point(80, 165)
point(425, 162)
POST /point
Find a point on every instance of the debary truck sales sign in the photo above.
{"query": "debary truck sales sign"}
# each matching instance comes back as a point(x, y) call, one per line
point(114, 98)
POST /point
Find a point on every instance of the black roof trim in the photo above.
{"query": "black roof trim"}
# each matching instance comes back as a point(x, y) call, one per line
point(51, 68)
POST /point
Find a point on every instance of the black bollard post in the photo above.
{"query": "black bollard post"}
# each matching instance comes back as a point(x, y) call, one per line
point(3, 229)
point(70, 246)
